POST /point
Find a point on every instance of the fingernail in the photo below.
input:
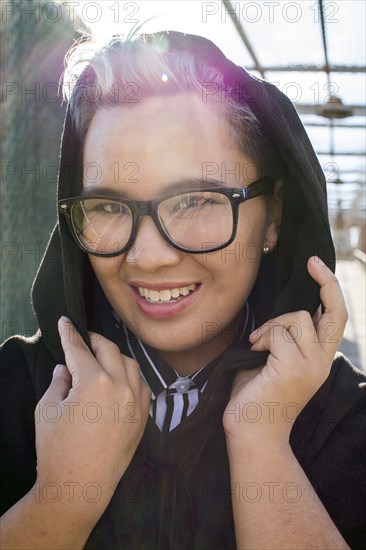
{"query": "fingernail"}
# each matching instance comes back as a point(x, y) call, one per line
point(61, 322)
point(57, 369)
point(64, 319)
point(319, 261)
point(254, 335)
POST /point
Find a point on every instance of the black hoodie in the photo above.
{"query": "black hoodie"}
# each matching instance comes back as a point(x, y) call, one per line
point(174, 493)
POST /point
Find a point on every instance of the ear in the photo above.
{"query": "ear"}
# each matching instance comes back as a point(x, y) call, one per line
point(274, 216)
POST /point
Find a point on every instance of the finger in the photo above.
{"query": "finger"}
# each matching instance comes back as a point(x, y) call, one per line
point(79, 359)
point(298, 332)
point(133, 372)
point(118, 366)
point(332, 322)
point(145, 398)
point(69, 334)
point(317, 316)
point(284, 344)
point(108, 356)
point(296, 327)
point(296, 319)
point(60, 385)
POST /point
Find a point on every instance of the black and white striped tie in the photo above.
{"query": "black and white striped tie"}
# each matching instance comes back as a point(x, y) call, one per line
point(176, 402)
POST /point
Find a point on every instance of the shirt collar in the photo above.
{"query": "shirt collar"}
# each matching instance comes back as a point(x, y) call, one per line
point(160, 375)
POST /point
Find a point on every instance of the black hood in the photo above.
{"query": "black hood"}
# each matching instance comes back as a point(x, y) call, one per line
point(65, 283)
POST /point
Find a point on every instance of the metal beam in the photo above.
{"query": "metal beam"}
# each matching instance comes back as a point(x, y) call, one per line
point(335, 125)
point(309, 109)
point(311, 69)
point(325, 47)
point(231, 11)
point(344, 184)
point(336, 154)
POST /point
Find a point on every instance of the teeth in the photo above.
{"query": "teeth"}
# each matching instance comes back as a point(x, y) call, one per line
point(154, 295)
point(166, 295)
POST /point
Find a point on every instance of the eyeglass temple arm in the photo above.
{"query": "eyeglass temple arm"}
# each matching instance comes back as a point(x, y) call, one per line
point(260, 187)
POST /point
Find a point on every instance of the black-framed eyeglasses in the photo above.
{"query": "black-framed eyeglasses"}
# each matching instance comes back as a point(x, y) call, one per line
point(195, 221)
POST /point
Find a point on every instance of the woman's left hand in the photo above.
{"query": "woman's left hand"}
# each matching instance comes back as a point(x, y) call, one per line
point(266, 401)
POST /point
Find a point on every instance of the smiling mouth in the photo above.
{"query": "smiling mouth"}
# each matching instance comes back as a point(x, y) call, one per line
point(166, 296)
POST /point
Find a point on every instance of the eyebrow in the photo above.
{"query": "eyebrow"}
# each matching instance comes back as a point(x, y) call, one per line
point(183, 185)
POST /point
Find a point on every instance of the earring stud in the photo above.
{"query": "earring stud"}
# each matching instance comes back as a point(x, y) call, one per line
point(266, 249)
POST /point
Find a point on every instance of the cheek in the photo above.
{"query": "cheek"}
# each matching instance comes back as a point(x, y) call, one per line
point(245, 252)
point(107, 270)
point(236, 267)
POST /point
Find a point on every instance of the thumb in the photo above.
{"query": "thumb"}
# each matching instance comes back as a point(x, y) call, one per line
point(60, 385)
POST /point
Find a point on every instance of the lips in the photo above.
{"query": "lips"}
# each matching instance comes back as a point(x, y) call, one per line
point(166, 295)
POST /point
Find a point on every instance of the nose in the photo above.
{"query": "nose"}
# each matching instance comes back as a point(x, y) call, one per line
point(150, 250)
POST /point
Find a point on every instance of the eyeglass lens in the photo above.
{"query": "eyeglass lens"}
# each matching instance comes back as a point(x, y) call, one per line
point(197, 220)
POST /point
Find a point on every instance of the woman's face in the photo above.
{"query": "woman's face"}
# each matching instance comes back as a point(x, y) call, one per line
point(141, 151)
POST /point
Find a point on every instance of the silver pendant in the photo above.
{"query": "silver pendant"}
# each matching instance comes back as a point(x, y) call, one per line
point(181, 385)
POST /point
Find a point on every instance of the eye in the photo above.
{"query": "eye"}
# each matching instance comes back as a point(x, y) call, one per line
point(114, 208)
point(193, 201)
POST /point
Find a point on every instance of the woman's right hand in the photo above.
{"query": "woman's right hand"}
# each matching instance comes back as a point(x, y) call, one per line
point(89, 423)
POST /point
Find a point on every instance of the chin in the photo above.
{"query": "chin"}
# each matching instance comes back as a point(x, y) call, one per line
point(171, 345)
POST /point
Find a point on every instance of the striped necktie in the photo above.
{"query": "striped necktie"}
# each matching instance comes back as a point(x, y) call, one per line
point(180, 399)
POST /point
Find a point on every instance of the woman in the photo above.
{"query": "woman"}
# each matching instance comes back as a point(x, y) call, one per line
point(192, 210)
